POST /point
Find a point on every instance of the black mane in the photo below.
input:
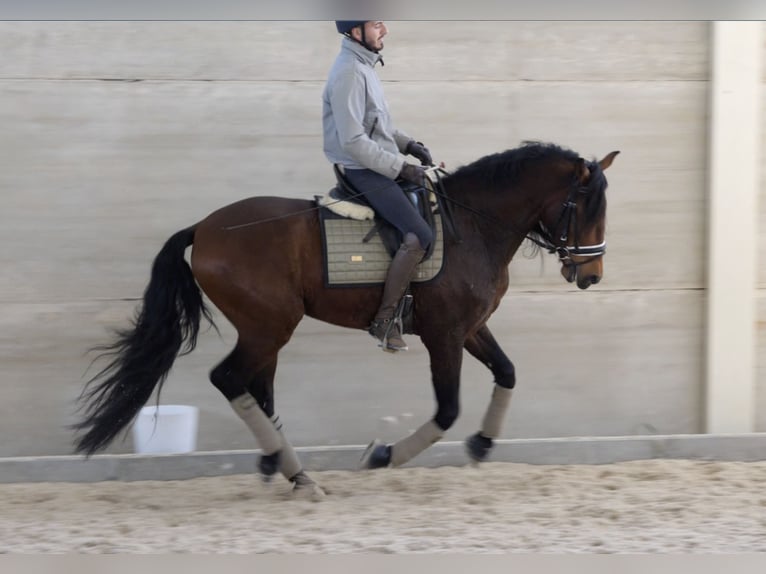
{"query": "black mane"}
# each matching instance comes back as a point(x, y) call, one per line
point(498, 171)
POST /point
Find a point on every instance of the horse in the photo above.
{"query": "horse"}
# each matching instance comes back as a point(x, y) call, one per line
point(259, 262)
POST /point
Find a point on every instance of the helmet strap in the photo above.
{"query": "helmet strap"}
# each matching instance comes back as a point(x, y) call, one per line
point(364, 40)
point(366, 45)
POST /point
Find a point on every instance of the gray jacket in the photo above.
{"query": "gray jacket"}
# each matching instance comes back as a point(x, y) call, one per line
point(358, 132)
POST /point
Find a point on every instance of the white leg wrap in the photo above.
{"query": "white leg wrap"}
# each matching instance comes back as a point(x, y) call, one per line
point(416, 443)
point(289, 465)
point(269, 439)
point(495, 415)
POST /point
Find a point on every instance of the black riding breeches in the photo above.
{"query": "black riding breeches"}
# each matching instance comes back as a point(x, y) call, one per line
point(389, 202)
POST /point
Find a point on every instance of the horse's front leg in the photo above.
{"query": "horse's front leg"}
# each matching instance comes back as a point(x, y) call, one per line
point(446, 360)
point(483, 346)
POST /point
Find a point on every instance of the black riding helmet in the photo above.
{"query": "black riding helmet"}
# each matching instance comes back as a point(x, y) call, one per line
point(344, 27)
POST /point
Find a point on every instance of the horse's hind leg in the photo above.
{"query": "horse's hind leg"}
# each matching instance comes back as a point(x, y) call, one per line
point(232, 377)
point(249, 390)
point(261, 388)
point(484, 347)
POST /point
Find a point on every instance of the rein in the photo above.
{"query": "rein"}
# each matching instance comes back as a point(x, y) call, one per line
point(564, 252)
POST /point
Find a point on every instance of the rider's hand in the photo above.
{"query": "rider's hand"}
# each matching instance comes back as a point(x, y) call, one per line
point(414, 174)
point(419, 151)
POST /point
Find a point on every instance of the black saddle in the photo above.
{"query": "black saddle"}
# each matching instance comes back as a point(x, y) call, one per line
point(389, 234)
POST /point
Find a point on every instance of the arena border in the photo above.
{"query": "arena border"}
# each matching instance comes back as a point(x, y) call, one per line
point(570, 450)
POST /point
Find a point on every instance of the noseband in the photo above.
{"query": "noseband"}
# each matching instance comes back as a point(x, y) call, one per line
point(567, 217)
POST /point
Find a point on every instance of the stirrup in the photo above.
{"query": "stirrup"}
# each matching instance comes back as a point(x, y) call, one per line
point(383, 338)
point(403, 308)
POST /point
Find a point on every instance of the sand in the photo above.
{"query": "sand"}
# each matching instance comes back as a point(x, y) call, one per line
point(652, 506)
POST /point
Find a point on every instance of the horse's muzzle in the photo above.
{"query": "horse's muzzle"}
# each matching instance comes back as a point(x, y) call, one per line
point(587, 281)
point(569, 272)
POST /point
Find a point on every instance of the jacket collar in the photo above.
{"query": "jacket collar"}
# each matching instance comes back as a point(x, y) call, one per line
point(361, 53)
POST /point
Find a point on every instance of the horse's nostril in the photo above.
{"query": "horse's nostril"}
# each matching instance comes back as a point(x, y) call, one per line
point(594, 279)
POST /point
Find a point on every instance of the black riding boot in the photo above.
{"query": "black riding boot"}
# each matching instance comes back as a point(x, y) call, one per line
point(402, 268)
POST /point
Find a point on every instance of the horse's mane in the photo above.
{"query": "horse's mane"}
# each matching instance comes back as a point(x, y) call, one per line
point(499, 171)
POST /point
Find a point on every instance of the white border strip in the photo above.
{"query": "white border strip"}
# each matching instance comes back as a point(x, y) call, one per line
point(575, 450)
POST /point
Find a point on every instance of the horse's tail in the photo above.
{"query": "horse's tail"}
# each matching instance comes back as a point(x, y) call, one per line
point(142, 357)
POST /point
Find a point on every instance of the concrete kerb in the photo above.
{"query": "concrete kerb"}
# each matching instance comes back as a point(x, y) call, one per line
point(576, 450)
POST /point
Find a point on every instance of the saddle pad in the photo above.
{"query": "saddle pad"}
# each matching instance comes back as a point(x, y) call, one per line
point(350, 261)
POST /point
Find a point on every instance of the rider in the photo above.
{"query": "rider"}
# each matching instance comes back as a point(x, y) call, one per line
point(359, 136)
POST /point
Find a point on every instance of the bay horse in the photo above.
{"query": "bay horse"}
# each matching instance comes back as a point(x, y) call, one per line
point(259, 261)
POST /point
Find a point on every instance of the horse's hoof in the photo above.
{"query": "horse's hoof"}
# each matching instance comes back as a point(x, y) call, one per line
point(268, 465)
point(305, 487)
point(314, 492)
point(376, 455)
point(478, 447)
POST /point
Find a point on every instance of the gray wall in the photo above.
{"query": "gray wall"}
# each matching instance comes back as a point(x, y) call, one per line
point(116, 134)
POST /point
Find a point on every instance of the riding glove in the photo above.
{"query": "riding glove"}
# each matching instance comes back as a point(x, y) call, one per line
point(413, 173)
point(419, 151)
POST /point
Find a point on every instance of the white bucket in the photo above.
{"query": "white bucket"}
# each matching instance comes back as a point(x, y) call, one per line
point(172, 429)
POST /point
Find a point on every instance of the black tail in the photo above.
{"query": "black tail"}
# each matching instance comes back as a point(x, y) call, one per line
point(142, 357)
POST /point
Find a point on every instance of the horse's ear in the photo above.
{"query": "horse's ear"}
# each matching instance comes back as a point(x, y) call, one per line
point(581, 171)
point(607, 161)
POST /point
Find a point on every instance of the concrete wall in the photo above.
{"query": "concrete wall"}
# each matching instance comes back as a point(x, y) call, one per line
point(116, 134)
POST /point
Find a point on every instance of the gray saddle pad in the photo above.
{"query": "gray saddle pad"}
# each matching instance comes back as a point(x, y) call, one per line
point(351, 261)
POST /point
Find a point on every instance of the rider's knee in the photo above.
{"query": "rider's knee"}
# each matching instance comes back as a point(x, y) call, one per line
point(426, 237)
point(415, 241)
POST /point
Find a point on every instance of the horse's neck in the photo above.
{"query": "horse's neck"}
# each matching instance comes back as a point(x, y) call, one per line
point(499, 222)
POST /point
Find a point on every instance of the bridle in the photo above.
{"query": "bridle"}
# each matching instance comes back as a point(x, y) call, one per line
point(546, 241)
point(567, 218)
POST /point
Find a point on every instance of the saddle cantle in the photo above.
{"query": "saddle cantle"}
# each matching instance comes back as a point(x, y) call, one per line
point(358, 246)
point(336, 202)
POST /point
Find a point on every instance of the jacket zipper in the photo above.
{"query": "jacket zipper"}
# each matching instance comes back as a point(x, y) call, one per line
point(372, 129)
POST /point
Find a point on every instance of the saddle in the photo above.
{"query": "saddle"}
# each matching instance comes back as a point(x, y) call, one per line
point(353, 258)
point(422, 199)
